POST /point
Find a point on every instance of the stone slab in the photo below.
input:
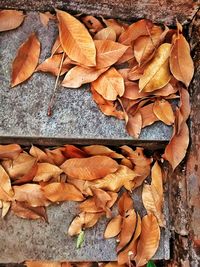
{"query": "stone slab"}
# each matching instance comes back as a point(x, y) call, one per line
point(165, 11)
point(35, 240)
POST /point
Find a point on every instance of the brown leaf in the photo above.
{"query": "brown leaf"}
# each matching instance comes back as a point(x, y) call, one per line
point(181, 64)
point(125, 203)
point(31, 194)
point(184, 110)
point(149, 240)
point(92, 23)
point(28, 177)
point(176, 149)
point(134, 124)
point(61, 192)
point(110, 84)
point(37, 153)
point(11, 151)
point(26, 60)
point(117, 26)
point(46, 171)
point(5, 183)
point(148, 117)
point(42, 264)
point(5, 208)
point(106, 34)
point(89, 168)
point(157, 73)
point(76, 40)
point(101, 199)
point(45, 17)
point(10, 19)
point(152, 195)
point(95, 150)
point(163, 111)
point(128, 55)
point(52, 65)
point(78, 76)
point(57, 48)
point(136, 72)
point(113, 228)
point(23, 210)
point(139, 28)
point(56, 156)
point(108, 52)
point(71, 151)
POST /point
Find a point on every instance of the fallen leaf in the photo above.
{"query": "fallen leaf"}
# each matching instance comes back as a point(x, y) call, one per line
point(152, 194)
point(76, 40)
point(177, 147)
point(92, 23)
point(57, 48)
point(57, 192)
point(78, 76)
point(184, 109)
point(80, 239)
point(101, 199)
point(56, 156)
point(5, 183)
point(71, 151)
point(42, 264)
point(10, 19)
point(45, 17)
point(26, 60)
point(89, 168)
point(128, 55)
point(95, 150)
point(46, 171)
point(115, 25)
point(125, 203)
point(106, 34)
point(110, 84)
point(113, 228)
point(136, 72)
point(5, 208)
point(23, 210)
point(11, 151)
point(157, 73)
point(181, 64)
point(134, 124)
point(28, 177)
point(163, 111)
point(148, 116)
point(149, 240)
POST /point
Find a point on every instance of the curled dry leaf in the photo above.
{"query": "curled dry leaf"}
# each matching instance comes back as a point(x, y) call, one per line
point(92, 23)
point(56, 192)
point(26, 60)
point(23, 210)
point(176, 149)
point(56, 156)
point(110, 84)
point(148, 116)
point(10, 19)
point(163, 111)
point(78, 76)
point(5, 183)
point(46, 171)
point(71, 151)
point(181, 64)
point(108, 52)
point(125, 203)
point(149, 240)
point(76, 40)
point(157, 73)
point(42, 264)
point(106, 34)
point(95, 150)
point(113, 228)
point(152, 195)
point(89, 168)
point(11, 151)
point(39, 154)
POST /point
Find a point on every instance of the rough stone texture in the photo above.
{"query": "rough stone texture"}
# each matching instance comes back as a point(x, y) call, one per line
point(23, 109)
point(158, 10)
point(25, 239)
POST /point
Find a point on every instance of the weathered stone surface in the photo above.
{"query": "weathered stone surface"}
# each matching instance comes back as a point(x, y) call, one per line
point(23, 109)
point(159, 11)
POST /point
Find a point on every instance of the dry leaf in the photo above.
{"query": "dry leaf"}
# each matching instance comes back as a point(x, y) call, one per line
point(61, 192)
point(5, 183)
point(163, 111)
point(23, 210)
point(28, 177)
point(184, 108)
point(45, 17)
point(136, 72)
point(78, 76)
point(89, 168)
point(76, 40)
point(149, 240)
point(176, 149)
point(125, 203)
point(148, 117)
point(5, 208)
point(113, 228)
point(181, 64)
point(106, 34)
point(56, 156)
point(46, 171)
point(71, 151)
point(92, 23)
point(57, 48)
point(115, 25)
point(11, 151)
point(152, 195)
point(157, 73)
point(26, 60)
point(42, 264)
point(110, 84)
point(128, 55)
point(10, 19)
point(134, 124)
point(95, 150)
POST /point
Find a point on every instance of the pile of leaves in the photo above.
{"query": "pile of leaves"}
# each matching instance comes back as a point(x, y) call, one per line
point(134, 71)
point(97, 177)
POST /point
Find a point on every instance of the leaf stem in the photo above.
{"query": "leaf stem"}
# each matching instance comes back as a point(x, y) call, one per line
point(52, 100)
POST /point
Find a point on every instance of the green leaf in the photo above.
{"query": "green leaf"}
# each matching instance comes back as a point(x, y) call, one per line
point(80, 239)
point(151, 264)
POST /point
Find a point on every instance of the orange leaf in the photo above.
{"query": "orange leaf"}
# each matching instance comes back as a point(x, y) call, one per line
point(176, 149)
point(10, 19)
point(56, 156)
point(110, 84)
point(125, 203)
point(5, 183)
point(184, 110)
point(46, 171)
point(148, 117)
point(61, 192)
point(89, 168)
point(163, 111)
point(106, 34)
point(76, 40)
point(78, 75)
point(23, 210)
point(92, 23)
point(10, 151)
point(101, 199)
point(181, 64)
point(28, 177)
point(26, 60)
point(95, 150)
point(134, 124)
point(57, 48)
point(45, 17)
point(115, 25)
point(149, 240)
point(42, 264)
point(5, 208)
point(113, 228)
point(71, 151)
point(136, 72)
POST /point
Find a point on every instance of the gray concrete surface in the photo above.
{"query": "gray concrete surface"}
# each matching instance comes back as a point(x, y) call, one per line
point(23, 109)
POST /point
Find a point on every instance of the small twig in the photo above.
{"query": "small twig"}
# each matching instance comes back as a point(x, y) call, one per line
point(52, 100)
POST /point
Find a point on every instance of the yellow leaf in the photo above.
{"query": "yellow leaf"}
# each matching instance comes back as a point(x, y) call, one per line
point(106, 34)
point(113, 228)
point(5, 183)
